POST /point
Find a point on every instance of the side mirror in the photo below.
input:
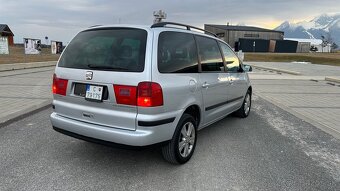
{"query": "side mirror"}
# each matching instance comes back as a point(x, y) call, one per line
point(247, 68)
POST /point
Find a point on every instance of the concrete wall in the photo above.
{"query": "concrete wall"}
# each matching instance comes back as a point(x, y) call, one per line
point(303, 47)
point(222, 34)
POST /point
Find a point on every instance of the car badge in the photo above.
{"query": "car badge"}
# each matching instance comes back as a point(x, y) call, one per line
point(89, 75)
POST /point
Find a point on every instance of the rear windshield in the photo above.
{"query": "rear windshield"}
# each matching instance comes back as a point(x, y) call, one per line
point(121, 50)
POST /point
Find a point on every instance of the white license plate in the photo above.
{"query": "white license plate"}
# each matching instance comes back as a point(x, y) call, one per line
point(94, 92)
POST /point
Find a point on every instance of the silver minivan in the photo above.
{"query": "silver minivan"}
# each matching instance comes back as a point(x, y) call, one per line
point(142, 86)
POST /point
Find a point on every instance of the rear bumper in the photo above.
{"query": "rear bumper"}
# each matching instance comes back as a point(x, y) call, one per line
point(143, 136)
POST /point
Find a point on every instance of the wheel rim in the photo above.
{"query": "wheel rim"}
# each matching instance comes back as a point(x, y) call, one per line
point(247, 104)
point(186, 140)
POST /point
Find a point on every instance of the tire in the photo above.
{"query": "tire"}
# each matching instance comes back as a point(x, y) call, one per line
point(185, 135)
point(244, 111)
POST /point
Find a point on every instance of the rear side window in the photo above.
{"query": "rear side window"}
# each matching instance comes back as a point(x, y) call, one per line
point(210, 54)
point(177, 53)
point(107, 49)
point(232, 61)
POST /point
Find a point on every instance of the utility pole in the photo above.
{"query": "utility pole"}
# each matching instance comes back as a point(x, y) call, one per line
point(159, 16)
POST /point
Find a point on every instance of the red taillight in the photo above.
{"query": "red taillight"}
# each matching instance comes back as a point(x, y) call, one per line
point(149, 94)
point(59, 85)
point(125, 94)
point(146, 94)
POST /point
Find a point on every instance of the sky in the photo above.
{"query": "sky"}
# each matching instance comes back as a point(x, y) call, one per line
point(62, 19)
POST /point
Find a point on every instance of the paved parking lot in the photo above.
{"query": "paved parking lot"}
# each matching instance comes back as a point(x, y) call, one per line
point(308, 96)
point(23, 91)
point(269, 150)
point(303, 68)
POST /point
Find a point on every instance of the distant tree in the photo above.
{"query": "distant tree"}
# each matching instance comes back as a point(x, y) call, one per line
point(328, 40)
point(313, 48)
point(325, 41)
point(334, 46)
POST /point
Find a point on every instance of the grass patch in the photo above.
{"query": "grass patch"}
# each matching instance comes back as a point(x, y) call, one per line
point(16, 55)
point(315, 58)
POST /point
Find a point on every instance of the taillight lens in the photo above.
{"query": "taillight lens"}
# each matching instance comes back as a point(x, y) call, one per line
point(59, 85)
point(125, 94)
point(149, 94)
point(146, 94)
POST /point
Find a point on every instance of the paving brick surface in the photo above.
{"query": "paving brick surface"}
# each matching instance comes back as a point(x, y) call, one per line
point(23, 91)
point(308, 95)
point(305, 69)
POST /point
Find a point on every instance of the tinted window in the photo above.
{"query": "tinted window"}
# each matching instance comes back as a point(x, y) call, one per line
point(232, 61)
point(177, 53)
point(209, 52)
point(107, 49)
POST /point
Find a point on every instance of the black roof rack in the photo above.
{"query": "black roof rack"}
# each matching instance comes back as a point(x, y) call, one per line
point(162, 24)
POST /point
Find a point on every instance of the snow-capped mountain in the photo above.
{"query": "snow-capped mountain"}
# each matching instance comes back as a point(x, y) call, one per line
point(314, 29)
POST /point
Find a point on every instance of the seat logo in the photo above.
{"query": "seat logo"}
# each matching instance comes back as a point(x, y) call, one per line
point(89, 75)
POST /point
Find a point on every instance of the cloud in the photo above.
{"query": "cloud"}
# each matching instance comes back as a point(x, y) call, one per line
point(61, 19)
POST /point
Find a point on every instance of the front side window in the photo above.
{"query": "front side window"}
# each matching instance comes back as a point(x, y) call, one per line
point(232, 61)
point(107, 49)
point(209, 52)
point(177, 53)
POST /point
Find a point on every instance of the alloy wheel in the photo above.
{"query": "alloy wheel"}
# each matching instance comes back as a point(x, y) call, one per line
point(186, 140)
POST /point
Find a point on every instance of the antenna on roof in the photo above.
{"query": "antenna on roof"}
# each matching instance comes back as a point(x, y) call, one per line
point(159, 16)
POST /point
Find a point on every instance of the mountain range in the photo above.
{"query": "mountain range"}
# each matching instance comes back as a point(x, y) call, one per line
point(324, 25)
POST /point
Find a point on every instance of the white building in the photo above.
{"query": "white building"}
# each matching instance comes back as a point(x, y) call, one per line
point(313, 42)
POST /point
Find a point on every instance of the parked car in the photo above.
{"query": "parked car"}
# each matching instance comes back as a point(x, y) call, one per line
point(141, 85)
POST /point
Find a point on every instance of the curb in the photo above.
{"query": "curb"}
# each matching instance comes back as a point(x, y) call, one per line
point(278, 70)
point(333, 132)
point(331, 79)
point(21, 66)
point(23, 114)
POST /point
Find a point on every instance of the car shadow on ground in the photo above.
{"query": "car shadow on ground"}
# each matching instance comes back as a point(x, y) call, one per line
point(106, 157)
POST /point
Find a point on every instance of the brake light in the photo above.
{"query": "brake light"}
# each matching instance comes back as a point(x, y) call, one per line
point(125, 94)
point(146, 94)
point(59, 85)
point(149, 94)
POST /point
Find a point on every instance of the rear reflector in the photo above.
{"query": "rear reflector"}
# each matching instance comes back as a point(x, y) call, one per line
point(146, 94)
point(125, 94)
point(59, 85)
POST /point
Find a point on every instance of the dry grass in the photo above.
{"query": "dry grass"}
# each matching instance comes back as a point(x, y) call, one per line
point(16, 55)
point(315, 58)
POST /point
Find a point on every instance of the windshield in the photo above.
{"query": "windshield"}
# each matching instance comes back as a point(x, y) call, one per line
point(107, 49)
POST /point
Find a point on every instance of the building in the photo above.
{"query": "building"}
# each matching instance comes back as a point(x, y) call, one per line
point(248, 35)
point(309, 43)
point(6, 31)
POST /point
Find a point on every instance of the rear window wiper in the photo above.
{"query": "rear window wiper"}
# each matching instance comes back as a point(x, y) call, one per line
point(106, 67)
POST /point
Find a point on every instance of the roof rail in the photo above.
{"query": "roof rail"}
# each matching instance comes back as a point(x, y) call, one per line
point(95, 26)
point(162, 24)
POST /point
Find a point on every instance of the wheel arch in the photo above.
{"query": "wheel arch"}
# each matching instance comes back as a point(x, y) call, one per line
point(195, 111)
point(250, 88)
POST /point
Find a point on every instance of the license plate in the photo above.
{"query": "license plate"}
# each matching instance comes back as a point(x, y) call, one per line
point(94, 92)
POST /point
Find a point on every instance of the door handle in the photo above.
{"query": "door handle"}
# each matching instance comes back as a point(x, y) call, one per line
point(205, 85)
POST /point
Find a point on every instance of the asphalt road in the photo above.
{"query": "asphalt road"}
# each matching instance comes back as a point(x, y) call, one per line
point(269, 150)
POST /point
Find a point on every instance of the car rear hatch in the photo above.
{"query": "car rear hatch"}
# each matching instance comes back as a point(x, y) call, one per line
point(97, 76)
